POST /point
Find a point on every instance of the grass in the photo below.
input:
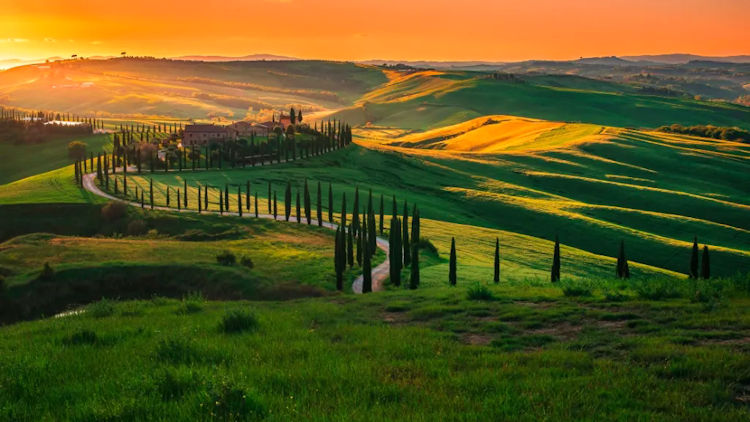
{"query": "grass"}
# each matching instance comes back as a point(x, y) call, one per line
point(532, 353)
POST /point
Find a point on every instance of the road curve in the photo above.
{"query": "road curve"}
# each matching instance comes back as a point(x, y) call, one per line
point(379, 273)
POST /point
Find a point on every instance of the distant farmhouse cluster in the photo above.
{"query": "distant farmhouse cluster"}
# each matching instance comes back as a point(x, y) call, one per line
point(204, 134)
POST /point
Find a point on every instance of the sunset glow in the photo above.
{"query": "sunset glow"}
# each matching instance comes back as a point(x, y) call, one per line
point(385, 29)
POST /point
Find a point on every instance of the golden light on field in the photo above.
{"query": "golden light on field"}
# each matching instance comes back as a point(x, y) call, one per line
point(389, 29)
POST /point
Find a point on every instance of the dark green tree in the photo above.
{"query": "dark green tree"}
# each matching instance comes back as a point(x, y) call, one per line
point(221, 201)
point(239, 201)
point(405, 237)
point(205, 198)
point(496, 275)
point(343, 209)
point(308, 205)
point(705, 264)
point(394, 251)
point(226, 197)
point(359, 249)
point(185, 199)
point(199, 200)
point(151, 192)
point(299, 213)
point(355, 213)
point(269, 198)
point(330, 203)
point(555, 272)
point(275, 208)
point(288, 200)
point(256, 204)
point(178, 197)
point(623, 270)
point(382, 211)
point(366, 268)
point(247, 195)
point(452, 266)
point(694, 260)
point(339, 260)
point(415, 235)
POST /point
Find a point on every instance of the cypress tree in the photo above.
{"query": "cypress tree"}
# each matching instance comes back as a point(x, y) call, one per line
point(239, 201)
point(382, 206)
point(339, 260)
point(350, 247)
point(247, 195)
point(115, 185)
point(269, 198)
point(288, 200)
point(199, 199)
point(330, 203)
point(555, 272)
point(414, 279)
point(405, 237)
point(143, 203)
point(256, 204)
point(320, 206)
point(366, 269)
point(299, 216)
point(275, 209)
point(178, 199)
point(694, 259)
point(355, 213)
point(359, 250)
point(226, 197)
point(205, 198)
point(185, 199)
point(394, 251)
point(308, 205)
point(623, 270)
point(343, 210)
point(125, 184)
point(452, 266)
point(496, 276)
point(705, 264)
point(415, 235)
point(151, 192)
point(372, 239)
point(221, 201)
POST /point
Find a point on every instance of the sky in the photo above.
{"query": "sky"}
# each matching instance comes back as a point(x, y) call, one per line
point(486, 30)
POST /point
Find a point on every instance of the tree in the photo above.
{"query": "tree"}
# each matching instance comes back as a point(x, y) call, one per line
point(256, 204)
point(178, 197)
point(299, 216)
point(308, 213)
point(221, 201)
point(292, 115)
point(694, 259)
point(151, 192)
point(555, 272)
point(623, 270)
point(339, 260)
point(350, 248)
point(452, 266)
point(320, 206)
point(343, 209)
point(288, 200)
point(414, 279)
point(394, 251)
point(366, 269)
point(275, 209)
point(247, 195)
point(269, 198)
point(205, 198)
point(355, 213)
point(299, 116)
point(239, 201)
point(359, 250)
point(705, 264)
point(330, 203)
point(405, 236)
point(226, 197)
point(496, 276)
point(185, 202)
point(415, 234)
point(199, 200)
point(77, 150)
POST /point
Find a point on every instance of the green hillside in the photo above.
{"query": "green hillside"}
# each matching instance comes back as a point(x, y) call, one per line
point(432, 99)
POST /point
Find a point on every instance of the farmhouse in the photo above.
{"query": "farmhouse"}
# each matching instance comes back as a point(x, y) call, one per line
point(205, 134)
point(244, 129)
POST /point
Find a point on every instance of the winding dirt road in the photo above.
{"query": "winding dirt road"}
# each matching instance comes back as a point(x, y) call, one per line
point(379, 273)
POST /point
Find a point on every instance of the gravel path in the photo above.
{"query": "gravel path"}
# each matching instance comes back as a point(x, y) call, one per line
point(379, 273)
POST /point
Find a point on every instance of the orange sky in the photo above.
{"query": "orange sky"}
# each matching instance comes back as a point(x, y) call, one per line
point(367, 29)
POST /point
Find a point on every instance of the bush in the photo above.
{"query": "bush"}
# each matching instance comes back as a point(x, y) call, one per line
point(192, 303)
point(227, 402)
point(575, 288)
point(114, 210)
point(136, 227)
point(426, 245)
point(479, 292)
point(152, 234)
point(81, 337)
point(77, 150)
point(238, 321)
point(247, 262)
point(226, 258)
point(101, 309)
point(657, 289)
point(174, 383)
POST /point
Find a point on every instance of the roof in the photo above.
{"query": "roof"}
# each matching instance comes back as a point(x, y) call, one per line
point(204, 128)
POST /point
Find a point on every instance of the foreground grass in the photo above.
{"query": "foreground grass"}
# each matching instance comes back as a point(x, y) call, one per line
point(432, 354)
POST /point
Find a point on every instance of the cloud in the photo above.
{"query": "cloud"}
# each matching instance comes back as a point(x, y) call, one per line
point(14, 40)
point(96, 42)
point(48, 39)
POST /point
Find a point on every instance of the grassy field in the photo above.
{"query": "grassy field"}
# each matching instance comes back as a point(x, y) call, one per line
point(23, 161)
point(429, 99)
point(531, 353)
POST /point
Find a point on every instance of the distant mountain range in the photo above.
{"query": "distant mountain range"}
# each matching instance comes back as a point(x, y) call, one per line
point(248, 58)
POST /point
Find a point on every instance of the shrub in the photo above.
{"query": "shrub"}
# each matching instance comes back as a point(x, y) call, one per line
point(228, 402)
point(615, 296)
point(114, 210)
point(81, 337)
point(575, 288)
point(174, 383)
point(77, 150)
point(247, 262)
point(226, 258)
point(657, 289)
point(152, 234)
point(426, 245)
point(101, 309)
point(192, 303)
point(136, 227)
point(479, 292)
point(238, 321)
